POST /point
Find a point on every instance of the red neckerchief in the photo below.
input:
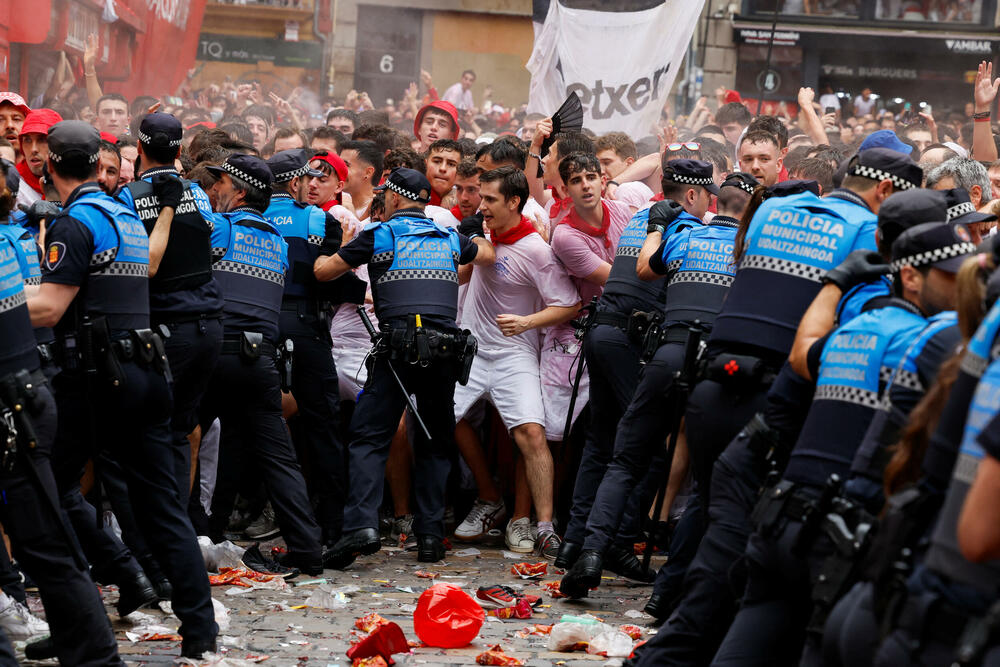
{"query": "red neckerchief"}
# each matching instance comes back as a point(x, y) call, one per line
point(330, 204)
point(657, 197)
point(29, 178)
point(518, 232)
point(457, 213)
point(435, 199)
point(574, 220)
point(558, 205)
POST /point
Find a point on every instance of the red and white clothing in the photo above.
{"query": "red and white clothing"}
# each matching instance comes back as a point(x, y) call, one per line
point(29, 190)
point(582, 249)
point(525, 278)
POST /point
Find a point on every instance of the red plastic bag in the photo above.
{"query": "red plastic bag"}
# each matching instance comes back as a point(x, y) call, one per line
point(382, 643)
point(447, 617)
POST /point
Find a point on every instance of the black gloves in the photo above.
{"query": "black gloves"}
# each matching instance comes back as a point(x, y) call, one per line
point(861, 266)
point(472, 226)
point(168, 189)
point(40, 210)
point(662, 214)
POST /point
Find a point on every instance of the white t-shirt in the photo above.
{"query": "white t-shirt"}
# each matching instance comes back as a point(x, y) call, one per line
point(26, 194)
point(829, 100)
point(441, 216)
point(462, 99)
point(525, 278)
point(861, 107)
point(346, 328)
point(532, 208)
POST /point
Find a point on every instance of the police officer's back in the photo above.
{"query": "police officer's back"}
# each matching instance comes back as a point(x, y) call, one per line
point(244, 391)
point(94, 292)
point(413, 266)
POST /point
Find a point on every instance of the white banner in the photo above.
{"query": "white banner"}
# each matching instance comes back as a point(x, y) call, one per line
point(622, 64)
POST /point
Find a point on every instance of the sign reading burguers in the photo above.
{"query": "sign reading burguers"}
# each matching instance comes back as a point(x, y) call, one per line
point(621, 64)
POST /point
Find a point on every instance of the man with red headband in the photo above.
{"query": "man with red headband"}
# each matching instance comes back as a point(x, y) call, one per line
point(34, 143)
point(13, 111)
point(437, 120)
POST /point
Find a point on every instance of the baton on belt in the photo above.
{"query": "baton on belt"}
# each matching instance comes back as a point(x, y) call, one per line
point(374, 335)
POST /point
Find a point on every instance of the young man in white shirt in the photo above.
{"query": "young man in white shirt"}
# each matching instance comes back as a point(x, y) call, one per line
point(502, 309)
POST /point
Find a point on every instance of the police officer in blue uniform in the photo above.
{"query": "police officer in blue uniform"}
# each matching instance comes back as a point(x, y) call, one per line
point(40, 538)
point(244, 391)
point(184, 299)
point(852, 366)
point(94, 292)
point(612, 344)
point(413, 265)
point(698, 263)
point(311, 234)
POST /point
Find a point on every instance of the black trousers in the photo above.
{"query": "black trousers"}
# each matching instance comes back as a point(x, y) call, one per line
point(133, 422)
point(613, 364)
point(316, 428)
point(246, 397)
point(73, 608)
point(376, 417)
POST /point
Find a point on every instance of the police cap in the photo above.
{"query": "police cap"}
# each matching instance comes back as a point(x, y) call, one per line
point(408, 183)
point(691, 172)
point(286, 165)
point(73, 139)
point(881, 164)
point(936, 244)
point(909, 208)
point(961, 210)
point(161, 130)
point(248, 168)
point(792, 187)
point(741, 180)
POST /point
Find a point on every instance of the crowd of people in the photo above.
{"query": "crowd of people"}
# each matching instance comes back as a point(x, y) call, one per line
point(765, 344)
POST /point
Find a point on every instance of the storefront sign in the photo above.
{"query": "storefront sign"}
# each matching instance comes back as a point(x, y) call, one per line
point(763, 36)
point(235, 49)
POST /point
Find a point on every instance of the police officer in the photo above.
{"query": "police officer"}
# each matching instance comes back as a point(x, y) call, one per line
point(40, 538)
point(311, 234)
point(183, 297)
point(413, 267)
point(698, 263)
point(95, 293)
point(626, 309)
point(244, 391)
point(852, 365)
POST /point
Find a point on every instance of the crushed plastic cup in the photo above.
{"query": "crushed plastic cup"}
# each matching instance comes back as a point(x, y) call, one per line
point(447, 617)
point(325, 597)
point(611, 643)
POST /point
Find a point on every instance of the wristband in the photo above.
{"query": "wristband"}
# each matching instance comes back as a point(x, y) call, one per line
point(981, 120)
point(655, 227)
point(535, 155)
point(981, 115)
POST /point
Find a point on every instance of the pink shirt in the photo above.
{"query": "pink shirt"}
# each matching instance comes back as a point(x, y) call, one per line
point(582, 253)
point(525, 278)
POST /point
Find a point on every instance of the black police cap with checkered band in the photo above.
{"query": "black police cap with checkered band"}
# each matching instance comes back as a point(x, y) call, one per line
point(248, 168)
point(408, 183)
point(160, 130)
point(286, 165)
point(741, 180)
point(884, 164)
point(73, 138)
point(691, 172)
point(961, 210)
point(937, 244)
point(909, 208)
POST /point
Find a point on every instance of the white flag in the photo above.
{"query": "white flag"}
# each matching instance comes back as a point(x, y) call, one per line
point(621, 64)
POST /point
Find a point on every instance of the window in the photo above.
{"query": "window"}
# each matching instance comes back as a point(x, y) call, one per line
point(937, 11)
point(849, 9)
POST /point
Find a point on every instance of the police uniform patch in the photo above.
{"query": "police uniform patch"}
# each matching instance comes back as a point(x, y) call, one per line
point(962, 233)
point(55, 253)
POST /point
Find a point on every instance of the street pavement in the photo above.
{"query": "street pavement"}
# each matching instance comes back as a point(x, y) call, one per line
point(277, 626)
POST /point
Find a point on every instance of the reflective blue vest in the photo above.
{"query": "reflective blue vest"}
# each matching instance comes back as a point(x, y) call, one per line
point(422, 277)
point(250, 271)
point(791, 243)
point(856, 363)
point(944, 556)
point(700, 268)
point(183, 287)
point(863, 297)
point(117, 287)
point(27, 251)
point(304, 229)
point(624, 291)
point(17, 341)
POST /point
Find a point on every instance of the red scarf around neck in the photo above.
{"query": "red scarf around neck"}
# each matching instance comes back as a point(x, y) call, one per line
point(515, 234)
point(29, 178)
point(558, 205)
point(574, 220)
point(457, 213)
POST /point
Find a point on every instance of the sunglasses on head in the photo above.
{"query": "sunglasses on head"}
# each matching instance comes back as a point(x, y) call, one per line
point(690, 145)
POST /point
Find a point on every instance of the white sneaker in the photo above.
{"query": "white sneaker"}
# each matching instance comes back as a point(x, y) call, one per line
point(483, 517)
point(17, 621)
point(518, 536)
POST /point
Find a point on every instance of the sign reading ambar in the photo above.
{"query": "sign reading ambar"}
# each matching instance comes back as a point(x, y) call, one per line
point(238, 49)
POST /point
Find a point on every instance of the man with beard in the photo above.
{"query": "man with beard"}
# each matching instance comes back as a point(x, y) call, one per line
point(13, 111)
point(35, 151)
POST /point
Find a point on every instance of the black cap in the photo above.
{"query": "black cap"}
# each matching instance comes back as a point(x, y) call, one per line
point(792, 187)
point(408, 183)
point(248, 168)
point(286, 165)
point(961, 210)
point(910, 208)
point(691, 172)
point(741, 180)
point(880, 164)
point(160, 129)
point(936, 244)
point(74, 139)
